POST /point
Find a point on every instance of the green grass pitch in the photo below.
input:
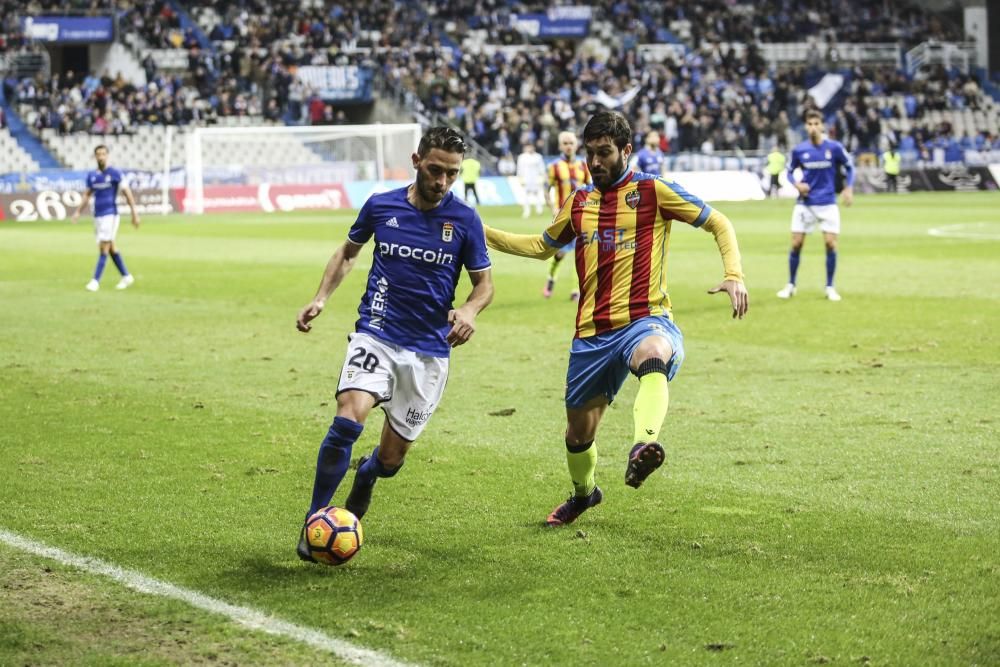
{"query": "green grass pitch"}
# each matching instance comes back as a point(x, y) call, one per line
point(831, 492)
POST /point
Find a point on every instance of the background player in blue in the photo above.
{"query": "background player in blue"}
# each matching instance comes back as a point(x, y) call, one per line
point(104, 184)
point(397, 357)
point(819, 159)
point(649, 160)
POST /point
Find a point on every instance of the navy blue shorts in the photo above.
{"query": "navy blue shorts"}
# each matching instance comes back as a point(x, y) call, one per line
point(598, 365)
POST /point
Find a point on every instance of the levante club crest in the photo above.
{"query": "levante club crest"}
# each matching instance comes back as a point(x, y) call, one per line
point(447, 229)
point(632, 199)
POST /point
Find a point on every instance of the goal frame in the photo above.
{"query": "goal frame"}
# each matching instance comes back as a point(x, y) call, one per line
point(195, 141)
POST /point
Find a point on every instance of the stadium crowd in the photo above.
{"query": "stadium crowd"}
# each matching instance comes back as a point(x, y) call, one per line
point(710, 100)
point(722, 21)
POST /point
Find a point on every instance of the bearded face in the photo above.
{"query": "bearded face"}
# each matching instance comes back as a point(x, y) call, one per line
point(436, 173)
point(606, 161)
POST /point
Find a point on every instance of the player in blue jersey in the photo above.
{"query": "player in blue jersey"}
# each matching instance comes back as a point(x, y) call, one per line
point(649, 160)
point(104, 184)
point(819, 159)
point(397, 357)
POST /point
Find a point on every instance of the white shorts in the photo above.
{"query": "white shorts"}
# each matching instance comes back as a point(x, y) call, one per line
point(805, 218)
point(106, 227)
point(407, 385)
point(534, 194)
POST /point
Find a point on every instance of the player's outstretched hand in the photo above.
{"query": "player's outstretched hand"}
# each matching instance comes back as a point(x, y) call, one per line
point(463, 326)
point(847, 196)
point(135, 221)
point(738, 296)
point(307, 315)
point(75, 218)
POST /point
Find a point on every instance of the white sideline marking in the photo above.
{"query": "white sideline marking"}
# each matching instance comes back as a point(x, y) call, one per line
point(251, 618)
point(982, 231)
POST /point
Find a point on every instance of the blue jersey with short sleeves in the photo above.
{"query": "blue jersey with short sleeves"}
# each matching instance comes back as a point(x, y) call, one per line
point(649, 161)
point(104, 185)
point(819, 166)
point(418, 260)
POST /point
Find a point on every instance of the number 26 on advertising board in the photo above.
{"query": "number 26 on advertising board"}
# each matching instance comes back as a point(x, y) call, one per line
point(48, 205)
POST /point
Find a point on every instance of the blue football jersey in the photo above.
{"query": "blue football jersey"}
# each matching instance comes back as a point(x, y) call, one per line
point(418, 260)
point(104, 185)
point(819, 166)
point(649, 161)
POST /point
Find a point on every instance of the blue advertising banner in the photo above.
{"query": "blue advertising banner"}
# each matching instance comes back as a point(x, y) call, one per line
point(65, 180)
point(551, 26)
point(336, 82)
point(69, 28)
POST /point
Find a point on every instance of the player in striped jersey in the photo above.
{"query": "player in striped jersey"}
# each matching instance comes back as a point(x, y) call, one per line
point(566, 174)
point(624, 325)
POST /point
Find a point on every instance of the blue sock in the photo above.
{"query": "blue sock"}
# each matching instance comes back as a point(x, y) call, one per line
point(373, 469)
point(793, 264)
point(99, 269)
point(120, 263)
point(831, 266)
point(334, 457)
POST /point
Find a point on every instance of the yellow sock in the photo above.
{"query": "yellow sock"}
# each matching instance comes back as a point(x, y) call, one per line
point(582, 462)
point(553, 267)
point(650, 407)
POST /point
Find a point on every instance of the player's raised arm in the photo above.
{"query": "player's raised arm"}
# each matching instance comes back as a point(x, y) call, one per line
point(732, 283)
point(675, 202)
point(522, 245)
point(340, 264)
point(537, 246)
point(463, 318)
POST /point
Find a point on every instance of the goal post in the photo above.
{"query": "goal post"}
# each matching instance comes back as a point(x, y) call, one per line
point(308, 155)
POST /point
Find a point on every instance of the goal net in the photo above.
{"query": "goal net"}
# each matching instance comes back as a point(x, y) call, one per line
point(295, 156)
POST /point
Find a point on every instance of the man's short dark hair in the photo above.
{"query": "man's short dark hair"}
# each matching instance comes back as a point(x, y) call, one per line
point(813, 113)
point(443, 137)
point(609, 124)
point(99, 147)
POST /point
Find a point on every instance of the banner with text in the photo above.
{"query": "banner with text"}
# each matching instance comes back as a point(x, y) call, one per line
point(268, 198)
point(955, 178)
point(32, 205)
point(68, 28)
point(338, 83)
point(63, 180)
point(548, 26)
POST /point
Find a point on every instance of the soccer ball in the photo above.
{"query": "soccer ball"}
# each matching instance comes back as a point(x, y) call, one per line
point(333, 535)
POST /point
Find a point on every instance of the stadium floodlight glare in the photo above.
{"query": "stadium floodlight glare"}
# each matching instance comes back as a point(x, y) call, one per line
point(305, 155)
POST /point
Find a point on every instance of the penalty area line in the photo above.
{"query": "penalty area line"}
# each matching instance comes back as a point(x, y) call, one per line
point(975, 231)
point(245, 616)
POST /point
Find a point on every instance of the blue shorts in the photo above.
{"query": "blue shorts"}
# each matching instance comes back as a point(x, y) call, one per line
point(598, 365)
